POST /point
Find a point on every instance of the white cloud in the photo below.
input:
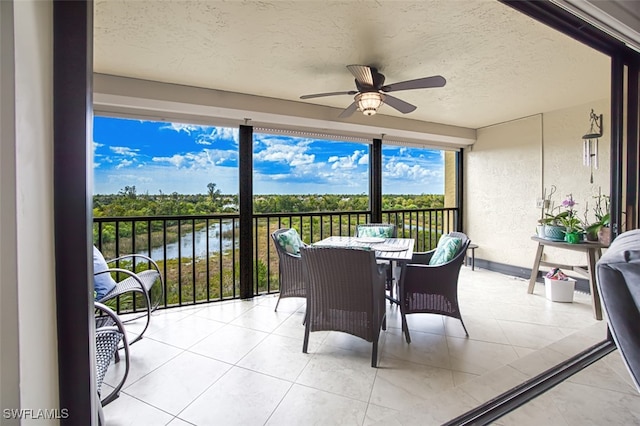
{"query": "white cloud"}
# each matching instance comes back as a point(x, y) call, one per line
point(124, 163)
point(124, 150)
point(187, 128)
point(198, 160)
point(278, 151)
point(348, 162)
point(205, 135)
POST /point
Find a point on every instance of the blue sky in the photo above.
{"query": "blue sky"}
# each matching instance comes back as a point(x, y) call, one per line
point(184, 158)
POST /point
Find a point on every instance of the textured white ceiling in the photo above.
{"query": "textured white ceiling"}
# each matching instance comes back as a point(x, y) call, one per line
point(499, 64)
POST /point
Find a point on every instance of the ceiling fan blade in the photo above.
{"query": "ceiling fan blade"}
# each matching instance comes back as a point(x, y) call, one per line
point(362, 73)
point(349, 110)
point(419, 83)
point(320, 95)
point(399, 104)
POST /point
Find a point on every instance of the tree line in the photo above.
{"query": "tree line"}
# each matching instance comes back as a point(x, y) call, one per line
point(127, 202)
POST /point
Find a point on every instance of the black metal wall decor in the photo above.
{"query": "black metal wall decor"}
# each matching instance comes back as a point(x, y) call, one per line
point(590, 142)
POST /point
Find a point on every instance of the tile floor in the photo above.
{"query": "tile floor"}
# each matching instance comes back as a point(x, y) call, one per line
point(241, 363)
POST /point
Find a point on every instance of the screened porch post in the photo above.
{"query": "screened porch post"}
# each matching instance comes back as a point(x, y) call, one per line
point(246, 211)
point(375, 180)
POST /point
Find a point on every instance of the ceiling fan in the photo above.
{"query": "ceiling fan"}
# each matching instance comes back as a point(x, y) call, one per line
point(372, 92)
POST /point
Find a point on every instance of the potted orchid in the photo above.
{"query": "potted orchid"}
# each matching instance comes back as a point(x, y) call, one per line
point(599, 230)
point(571, 221)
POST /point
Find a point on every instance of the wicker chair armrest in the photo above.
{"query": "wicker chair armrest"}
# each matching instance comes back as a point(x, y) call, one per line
point(422, 257)
point(119, 326)
point(134, 255)
point(123, 271)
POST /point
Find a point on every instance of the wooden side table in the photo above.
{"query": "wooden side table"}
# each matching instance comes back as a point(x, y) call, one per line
point(593, 251)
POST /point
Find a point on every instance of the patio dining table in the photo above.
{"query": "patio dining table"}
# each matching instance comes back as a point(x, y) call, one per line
point(399, 250)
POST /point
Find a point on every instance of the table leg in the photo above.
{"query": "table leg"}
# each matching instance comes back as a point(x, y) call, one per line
point(536, 267)
point(592, 257)
point(473, 259)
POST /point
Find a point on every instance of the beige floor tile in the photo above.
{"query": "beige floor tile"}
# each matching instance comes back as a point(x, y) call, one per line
point(177, 422)
point(240, 397)
point(600, 375)
point(459, 377)
point(128, 411)
point(479, 328)
point(586, 405)
point(186, 332)
point(339, 371)
point(400, 384)
point(534, 336)
point(475, 357)
point(145, 356)
point(278, 356)
point(375, 413)
point(303, 406)
point(425, 348)
point(229, 343)
point(225, 311)
point(440, 375)
point(261, 318)
point(493, 383)
point(538, 361)
point(540, 411)
point(177, 383)
point(434, 409)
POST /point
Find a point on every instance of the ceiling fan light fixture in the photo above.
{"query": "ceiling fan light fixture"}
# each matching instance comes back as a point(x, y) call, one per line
point(369, 102)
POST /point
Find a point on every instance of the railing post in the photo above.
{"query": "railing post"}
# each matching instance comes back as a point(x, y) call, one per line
point(375, 180)
point(246, 211)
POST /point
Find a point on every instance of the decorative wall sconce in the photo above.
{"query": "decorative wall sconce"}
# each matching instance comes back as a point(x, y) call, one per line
point(590, 142)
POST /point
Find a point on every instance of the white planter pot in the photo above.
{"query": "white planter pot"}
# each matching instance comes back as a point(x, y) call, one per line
point(559, 290)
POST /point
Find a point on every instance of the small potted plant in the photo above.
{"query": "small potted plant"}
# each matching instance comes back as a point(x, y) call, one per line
point(599, 230)
point(571, 222)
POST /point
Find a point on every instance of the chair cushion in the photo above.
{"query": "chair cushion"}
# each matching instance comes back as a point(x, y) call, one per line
point(290, 241)
point(447, 249)
point(375, 231)
point(103, 283)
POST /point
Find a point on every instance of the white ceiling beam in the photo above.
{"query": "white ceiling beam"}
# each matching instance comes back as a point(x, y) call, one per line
point(155, 100)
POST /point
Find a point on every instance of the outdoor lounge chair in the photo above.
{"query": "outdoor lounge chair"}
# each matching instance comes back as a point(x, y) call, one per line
point(619, 284)
point(433, 288)
point(288, 243)
point(110, 334)
point(345, 292)
point(141, 283)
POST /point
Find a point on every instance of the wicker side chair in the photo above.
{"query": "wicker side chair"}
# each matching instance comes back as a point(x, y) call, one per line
point(345, 292)
point(381, 230)
point(432, 289)
point(290, 275)
point(143, 283)
point(110, 335)
point(385, 230)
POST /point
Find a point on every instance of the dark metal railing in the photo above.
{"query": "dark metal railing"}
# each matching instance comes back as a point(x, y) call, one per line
point(199, 255)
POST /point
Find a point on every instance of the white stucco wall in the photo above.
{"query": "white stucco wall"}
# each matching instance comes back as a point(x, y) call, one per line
point(32, 200)
point(507, 169)
point(502, 181)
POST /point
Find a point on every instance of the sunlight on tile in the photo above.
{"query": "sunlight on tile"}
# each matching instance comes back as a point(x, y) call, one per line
point(242, 362)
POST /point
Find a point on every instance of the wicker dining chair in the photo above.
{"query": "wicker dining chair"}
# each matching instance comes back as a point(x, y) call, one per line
point(381, 230)
point(290, 277)
point(432, 289)
point(142, 283)
point(345, 292)
point(110, 336)
point(384, 230)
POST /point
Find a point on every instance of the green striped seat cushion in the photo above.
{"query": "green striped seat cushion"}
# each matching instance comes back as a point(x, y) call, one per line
point(447, 249)
point(290, 241)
